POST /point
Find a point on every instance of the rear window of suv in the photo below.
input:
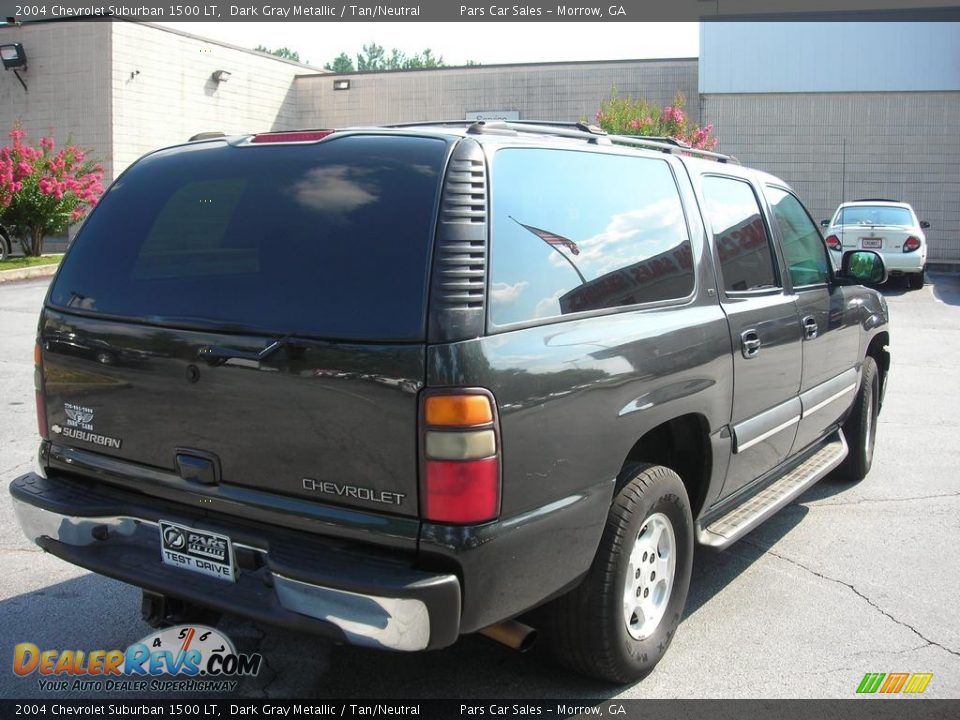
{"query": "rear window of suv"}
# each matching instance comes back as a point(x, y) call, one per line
point(874, 215)
point(328, 240)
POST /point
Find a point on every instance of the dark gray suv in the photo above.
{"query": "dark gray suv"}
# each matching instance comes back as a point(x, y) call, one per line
point(394, 385)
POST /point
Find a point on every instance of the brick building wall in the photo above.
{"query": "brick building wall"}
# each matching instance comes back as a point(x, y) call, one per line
point(68, 85)
point(163, 92)
point(833, 147)
point(551, 91)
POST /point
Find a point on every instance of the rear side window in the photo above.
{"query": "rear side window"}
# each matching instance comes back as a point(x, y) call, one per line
point(575, 231)
point(739, 235)
point(329, 240)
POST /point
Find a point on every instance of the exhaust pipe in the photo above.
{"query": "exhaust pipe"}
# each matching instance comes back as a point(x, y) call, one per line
point(511, 633)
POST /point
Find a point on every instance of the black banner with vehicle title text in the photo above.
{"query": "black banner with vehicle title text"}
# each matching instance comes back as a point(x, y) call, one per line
point(601, 11)
point(878, 709)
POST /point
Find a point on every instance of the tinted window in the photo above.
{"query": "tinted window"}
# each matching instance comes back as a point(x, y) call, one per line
point(575, 231)
point(329, 239)
point(804, 251)
point(739, 235)
point(874, 215)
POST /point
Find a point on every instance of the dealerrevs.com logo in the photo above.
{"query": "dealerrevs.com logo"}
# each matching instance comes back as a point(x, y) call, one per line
point(176, 659)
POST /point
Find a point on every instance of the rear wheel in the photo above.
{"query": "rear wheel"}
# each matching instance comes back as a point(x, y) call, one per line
point(5, 247)
point(916, 280)
point(618, 623)
point(860, 429)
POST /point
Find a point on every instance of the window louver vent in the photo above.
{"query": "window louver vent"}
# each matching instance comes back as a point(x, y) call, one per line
point(460, 258)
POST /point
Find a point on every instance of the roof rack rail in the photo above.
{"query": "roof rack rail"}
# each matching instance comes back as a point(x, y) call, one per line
point(210, 135)
point(593, 134)
point(876, 200)
point(426, 123)
point(547, 123)
point(673, 147)
point(579, 131)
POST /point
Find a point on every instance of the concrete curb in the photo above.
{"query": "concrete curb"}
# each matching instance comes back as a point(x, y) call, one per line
point(27, 273)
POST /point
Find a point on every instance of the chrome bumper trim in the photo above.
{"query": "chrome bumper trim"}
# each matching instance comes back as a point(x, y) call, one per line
point(393, 623)
point(366, 620)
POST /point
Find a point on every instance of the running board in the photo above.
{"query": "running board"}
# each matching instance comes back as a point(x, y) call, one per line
point(743, 518)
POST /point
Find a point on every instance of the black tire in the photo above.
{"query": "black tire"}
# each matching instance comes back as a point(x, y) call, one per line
point(916, 280)
point(5, 248)
point(860, 429)
point(586, 629)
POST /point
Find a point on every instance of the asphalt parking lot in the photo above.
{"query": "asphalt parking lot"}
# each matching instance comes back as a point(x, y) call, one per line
point(844, 581)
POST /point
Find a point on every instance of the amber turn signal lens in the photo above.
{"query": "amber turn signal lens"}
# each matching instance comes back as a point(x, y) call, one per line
point(458, 410)
point(36, 354)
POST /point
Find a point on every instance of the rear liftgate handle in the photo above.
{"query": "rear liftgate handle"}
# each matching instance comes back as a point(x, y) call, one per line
point(750, 343)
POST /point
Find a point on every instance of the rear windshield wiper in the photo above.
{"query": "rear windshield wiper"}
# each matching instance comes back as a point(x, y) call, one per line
point(219, 354)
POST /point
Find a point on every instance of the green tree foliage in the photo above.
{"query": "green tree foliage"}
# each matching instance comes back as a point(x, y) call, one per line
point(285, 53)
point(375, 58)
point(340, 64)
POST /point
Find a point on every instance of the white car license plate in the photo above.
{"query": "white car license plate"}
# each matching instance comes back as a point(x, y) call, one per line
point(197, 550)
point(871, 243)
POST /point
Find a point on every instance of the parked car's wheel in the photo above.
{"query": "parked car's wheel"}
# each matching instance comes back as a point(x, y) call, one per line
point(618, 623)
point(916, 280)
point(860, 429)
point(5, 247)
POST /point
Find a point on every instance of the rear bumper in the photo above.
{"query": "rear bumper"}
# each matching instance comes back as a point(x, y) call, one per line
point(897, 263)
point(289, 579)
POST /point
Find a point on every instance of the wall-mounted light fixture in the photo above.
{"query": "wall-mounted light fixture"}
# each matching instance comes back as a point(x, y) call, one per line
point(14, 58)
point(220, 76)
point(341, 84)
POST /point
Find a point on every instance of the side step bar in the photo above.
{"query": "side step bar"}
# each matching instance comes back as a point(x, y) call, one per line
point(743, 518)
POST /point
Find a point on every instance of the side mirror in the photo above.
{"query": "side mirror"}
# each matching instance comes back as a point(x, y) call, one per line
point(824, 223)
point(863, 266)
point(924, 224)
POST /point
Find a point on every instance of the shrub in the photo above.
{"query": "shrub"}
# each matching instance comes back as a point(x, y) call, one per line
point(628, 116)
point(43, 191)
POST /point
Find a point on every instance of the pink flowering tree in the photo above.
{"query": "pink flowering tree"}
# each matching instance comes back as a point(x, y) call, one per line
point(627, 116)
point(43, 190)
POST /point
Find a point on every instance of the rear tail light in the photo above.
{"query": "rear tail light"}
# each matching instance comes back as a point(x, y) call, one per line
point(287, 137)
point(833, 242)
point(39, 392)
point(911, 244)
point(461, 458)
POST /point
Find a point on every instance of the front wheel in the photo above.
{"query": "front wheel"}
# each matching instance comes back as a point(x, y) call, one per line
point(860, 429)
point(618, 623)
point(5, 247)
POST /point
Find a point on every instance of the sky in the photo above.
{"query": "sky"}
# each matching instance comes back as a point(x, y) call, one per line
point(457, 43)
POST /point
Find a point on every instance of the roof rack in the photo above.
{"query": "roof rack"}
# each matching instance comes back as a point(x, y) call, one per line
point(876, 200)
point(210, 135)
point(427, 123)
point(593, 134)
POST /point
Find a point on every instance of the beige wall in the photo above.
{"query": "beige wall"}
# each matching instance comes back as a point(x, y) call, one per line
point(125, 89)
point(68, 81)
point(833, 147)
point(559, 91)
point(163, 92)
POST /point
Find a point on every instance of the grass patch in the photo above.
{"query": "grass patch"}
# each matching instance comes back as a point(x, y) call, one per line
point(15, 263)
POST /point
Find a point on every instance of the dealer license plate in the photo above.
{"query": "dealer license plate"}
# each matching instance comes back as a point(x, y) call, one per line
point(871, 243)
point(197, 550)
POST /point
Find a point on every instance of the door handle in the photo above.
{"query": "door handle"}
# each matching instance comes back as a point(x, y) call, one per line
point(810, 329)
point(749, 343)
